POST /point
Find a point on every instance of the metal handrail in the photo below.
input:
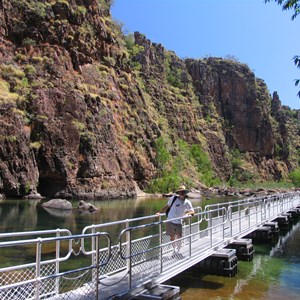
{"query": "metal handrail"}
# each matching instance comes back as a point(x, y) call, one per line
point(125, 222)
point(128, 231)
point(38, 279)
point(210, 224)
point(31, 233)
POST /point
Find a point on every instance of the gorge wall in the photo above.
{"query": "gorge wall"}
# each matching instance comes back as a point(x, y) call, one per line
point(82, 106)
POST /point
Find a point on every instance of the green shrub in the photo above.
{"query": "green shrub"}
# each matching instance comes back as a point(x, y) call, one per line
point(257, 185)
point(79, 125)
point(10, 138)
point(162, 153)
point(129, 41)
point(22, 87)
point(29, 69)
point(38, 8)
point(174, 74)
point(35, 145)
point(9, 71)
point(20, 57)
point(37, 59)
point(167, 183)
point(109, 61)
point(81, 10)
point(242, 175)
point(295, 177)
point(201, 158)
point(5, 95)
point(232, 181)
point(277, 151)
point(28, 42)
point(180, 163)
point(136, 66)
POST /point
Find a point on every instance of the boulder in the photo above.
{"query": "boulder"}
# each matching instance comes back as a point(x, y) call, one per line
point(82, 205)
point(58, 204)
point(34, 195)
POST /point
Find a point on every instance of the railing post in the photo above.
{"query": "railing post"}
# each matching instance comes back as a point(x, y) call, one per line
point(57, 245)
point(230, 220)
point(224, 213)
point(160, 243)
point(38, 268)
point(240, 219)
point(129, 260)
point(97, 266)
point(210, 229)
point(199, 221)
point(256, 213)
point(93, 247)
point(127, 241)
point(128, 252)
point(190, 237)
point(250, 212)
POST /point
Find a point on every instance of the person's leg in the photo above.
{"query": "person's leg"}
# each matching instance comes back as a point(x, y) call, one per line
point(178, 235)
point(171, 231)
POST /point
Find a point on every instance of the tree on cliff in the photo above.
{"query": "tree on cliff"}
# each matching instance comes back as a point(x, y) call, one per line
point(293, 5)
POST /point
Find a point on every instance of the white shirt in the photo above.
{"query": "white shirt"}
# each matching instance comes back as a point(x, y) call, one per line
point(179, 208)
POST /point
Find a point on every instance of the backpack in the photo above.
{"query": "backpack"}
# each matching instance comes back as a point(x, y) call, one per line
point(168, 209)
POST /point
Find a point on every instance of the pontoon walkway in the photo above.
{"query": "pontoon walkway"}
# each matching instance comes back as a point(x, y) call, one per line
point(140, 254)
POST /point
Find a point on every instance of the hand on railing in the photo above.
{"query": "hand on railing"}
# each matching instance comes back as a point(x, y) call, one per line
point(189, 214)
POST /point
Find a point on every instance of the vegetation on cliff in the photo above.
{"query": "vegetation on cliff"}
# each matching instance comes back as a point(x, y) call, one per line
point(88, 112)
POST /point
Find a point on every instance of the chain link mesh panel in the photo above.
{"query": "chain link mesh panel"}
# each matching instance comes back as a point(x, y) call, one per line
point(78, 285)
point(23, 290)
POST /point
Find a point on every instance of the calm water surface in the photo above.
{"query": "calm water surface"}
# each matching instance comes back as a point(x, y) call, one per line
point(274, 273)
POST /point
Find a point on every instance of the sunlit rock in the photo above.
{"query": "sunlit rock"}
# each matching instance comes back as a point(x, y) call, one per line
point(82, 205)
point(58, 204)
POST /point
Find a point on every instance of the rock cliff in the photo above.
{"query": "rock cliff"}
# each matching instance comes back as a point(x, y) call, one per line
point(82, 107)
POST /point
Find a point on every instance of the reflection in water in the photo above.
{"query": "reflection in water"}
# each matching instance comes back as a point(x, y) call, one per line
point(285, 243)
point(16, 215)
point(27, 215)
point(60, 213)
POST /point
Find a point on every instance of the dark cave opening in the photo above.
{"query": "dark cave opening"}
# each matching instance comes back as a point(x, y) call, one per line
point(49, 186)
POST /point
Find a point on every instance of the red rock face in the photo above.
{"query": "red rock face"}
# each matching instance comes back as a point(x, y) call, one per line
point(234, 91)
point(70, 148)
point(17, 165)
point(79, 121)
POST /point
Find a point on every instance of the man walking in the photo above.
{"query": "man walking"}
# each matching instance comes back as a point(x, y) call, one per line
point(177, 207)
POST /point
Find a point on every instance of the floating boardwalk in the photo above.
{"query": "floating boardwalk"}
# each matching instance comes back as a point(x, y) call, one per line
point(133, 263)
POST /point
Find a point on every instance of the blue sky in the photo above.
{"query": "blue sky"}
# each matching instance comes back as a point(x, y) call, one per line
point(260, 35)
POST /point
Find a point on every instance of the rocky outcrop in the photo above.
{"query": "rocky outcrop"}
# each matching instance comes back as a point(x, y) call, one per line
point(236, 94)
point(81, 112)
point(61, 129)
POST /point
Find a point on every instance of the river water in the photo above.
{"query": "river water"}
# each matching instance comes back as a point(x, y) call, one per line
point(273, 274)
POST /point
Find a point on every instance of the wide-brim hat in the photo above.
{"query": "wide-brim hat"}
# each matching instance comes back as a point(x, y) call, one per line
point(182, 188)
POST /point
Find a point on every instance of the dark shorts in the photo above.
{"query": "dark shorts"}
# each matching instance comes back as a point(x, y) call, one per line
point(173, 229)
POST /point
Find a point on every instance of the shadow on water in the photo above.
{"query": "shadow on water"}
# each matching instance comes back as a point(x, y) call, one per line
point(191, 279)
